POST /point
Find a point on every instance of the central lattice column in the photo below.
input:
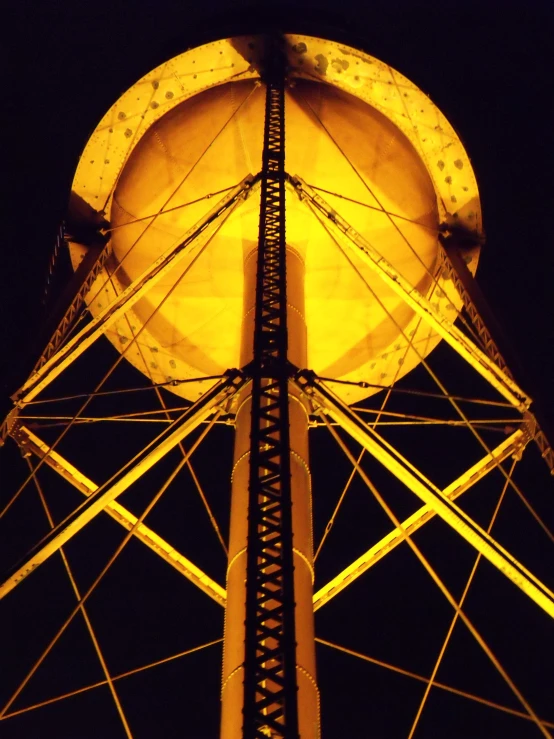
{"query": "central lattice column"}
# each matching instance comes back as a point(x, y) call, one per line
point(269, 687)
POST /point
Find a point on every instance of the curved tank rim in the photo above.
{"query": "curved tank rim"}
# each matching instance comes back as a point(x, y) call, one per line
point(310, 57)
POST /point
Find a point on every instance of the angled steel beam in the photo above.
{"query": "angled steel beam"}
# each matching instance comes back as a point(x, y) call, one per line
point(71, 300)
point(509, 447)
point(28, 441)
point(476, 305)
point(272, 697)
point(124, 478)
point(450, 333)
point(329, 403)
point(112, 312)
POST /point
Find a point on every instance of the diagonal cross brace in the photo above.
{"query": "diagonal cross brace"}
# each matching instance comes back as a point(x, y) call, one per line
point(450, 333)
point(30, 442)
point(210, 223)
point(512, 446)
point(124, 478)
point(484, 543)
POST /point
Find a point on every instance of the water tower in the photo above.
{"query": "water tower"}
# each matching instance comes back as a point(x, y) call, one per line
point(276, 233)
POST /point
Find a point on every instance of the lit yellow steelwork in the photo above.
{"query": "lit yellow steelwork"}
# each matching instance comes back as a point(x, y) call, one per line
point(107, 493)
point(28, 440)
point(183, 132)
point(510, 446)
point(348, 237)
point(197, 236)
point(430, 495)
point(193, 127)
point(232, 690)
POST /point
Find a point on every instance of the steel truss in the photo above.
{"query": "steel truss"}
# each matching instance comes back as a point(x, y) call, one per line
point(451, 334)
point(270, 688)
point(29, 442)
point(475, 304)
point(88, 271)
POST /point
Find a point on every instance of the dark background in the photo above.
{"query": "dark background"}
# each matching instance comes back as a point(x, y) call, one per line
point(488, 66)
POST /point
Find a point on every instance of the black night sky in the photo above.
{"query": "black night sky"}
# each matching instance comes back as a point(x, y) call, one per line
point(488, 66)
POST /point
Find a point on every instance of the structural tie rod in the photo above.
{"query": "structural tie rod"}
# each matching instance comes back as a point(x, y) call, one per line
point(124, 478)
point(332, 405)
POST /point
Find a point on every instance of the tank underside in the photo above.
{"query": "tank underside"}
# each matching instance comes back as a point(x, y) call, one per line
point(382, 174)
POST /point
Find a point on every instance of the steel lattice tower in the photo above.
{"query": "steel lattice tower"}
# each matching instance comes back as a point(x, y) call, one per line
point(270, 660)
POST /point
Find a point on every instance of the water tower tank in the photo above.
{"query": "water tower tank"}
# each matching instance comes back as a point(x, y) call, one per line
point(367, 139)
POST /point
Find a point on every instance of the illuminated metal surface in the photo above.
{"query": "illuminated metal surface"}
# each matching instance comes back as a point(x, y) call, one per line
point(91, 267)
point(189, 131)
point(428, 493)
point(186, 247)
point(423, 307)
point(30, 441)
point(269, 650)
point(511, 446)
point(475, 304)
point(130, 473)
point(165, 145)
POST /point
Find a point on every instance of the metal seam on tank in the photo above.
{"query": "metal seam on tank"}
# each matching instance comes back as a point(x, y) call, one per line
point(303, 463)
point(230, 676)
point(306, 467)
point(239, 460)
point(121, 207)
point(248, 311)
point(310, 498)
point(318, 694)
point(296, 310)
point(309, 676)
point(307, 562)
point(308, 473)
point(292, 397)
point(294, 549)
point(289, 305)
point(296, 399)
point(251, 254)
point(292, 249)
point(299, 667)
point(232, 560)
point(242, 403)
point(224, 635)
